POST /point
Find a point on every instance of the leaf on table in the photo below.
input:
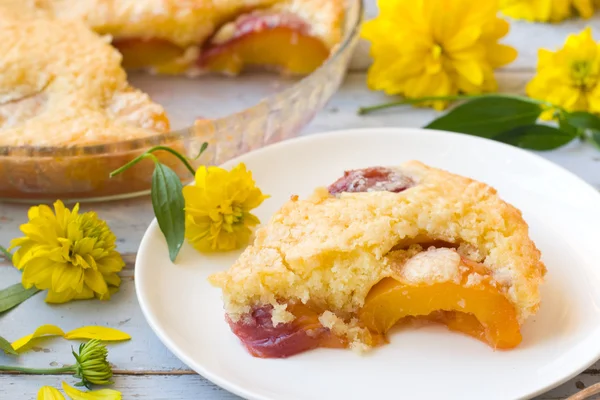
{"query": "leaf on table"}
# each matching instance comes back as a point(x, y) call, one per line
point(536, 137)
point(489, 116)
point(97, 332)
point(15, 295)
point(168, 204)
point(42, 331)
point(7, 347)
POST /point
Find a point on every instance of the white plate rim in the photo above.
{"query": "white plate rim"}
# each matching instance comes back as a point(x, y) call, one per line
point(240, 391)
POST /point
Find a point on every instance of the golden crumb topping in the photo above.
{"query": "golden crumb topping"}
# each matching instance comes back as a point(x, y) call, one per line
point(328, 251)
point(62, 84)
point(182, 22)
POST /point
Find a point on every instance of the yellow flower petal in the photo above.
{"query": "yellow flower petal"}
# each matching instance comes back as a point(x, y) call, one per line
point(547, 10)
point(97, 332)
point(95, 281)
point(59, 298)
point(104, 394)
point(49, 393)
point(44, 330)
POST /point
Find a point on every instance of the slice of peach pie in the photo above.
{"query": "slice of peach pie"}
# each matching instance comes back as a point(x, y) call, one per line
point(381, 246)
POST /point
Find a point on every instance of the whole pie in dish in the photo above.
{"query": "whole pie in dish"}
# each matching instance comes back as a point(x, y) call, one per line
point(195, 36)
point(63, 84)
point(379, 247)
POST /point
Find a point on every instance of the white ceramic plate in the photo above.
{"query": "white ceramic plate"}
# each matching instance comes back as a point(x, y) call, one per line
point(423, 363)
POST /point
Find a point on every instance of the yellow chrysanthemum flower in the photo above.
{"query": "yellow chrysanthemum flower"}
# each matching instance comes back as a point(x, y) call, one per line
point(424, 48)
point(569, 77)
point(70, 254)
point(218, 208)
point(547, 10)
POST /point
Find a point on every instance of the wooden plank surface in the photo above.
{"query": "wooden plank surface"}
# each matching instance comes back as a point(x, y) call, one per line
point(146, 369)
point(129, 219)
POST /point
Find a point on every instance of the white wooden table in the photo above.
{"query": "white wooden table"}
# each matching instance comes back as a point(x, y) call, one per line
point(144, 368)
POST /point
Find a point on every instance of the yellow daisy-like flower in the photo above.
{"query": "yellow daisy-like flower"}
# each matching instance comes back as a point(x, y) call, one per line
point(71, 255)
point(424, 48)
point(218, 208)
point(547, 10)
point(569, 77)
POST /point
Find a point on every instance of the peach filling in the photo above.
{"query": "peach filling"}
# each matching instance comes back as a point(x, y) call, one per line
point(144, 53)
point(274, 40)
point(480, 310)
point(279, 41)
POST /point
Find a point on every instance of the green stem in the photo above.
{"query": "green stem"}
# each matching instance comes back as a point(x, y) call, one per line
point(38, 371)
point(148, 154)
point(403, 102)
point(6, 253)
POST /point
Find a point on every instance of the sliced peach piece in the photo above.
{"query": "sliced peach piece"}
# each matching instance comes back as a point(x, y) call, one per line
point(480, 310)
point(279, 41)
point(145, 53)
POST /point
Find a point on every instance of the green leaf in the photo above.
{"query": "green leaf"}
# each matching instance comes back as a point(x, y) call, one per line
point(202, 150)
point(565, 126)
point(488, 116)
point(536, 137)
point(7, 347)
point(14, 295)
point(5, 254)
point(168, 204)
point(583, 120)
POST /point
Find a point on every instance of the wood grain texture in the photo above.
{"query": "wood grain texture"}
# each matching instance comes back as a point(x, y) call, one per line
point(146, 369)
point(129, 220)
point(192, 387)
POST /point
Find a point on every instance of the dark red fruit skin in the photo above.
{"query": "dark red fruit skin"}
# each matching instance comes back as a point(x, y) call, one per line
point(263, 340)
point(371, 179)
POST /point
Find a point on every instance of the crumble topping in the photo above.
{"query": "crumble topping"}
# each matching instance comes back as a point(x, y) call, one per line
point(330, 250)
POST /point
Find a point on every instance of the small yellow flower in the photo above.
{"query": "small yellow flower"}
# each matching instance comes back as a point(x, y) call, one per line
point(218, 208)
point(49, 393)
point(70, 254)
point(426, 48)
point(103, 394)
point(569, 77)
point(547, 10)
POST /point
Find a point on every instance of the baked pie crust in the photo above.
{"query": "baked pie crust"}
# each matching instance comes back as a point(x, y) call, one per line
point(383, 245)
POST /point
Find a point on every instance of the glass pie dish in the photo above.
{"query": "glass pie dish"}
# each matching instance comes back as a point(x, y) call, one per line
point(233, 115)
